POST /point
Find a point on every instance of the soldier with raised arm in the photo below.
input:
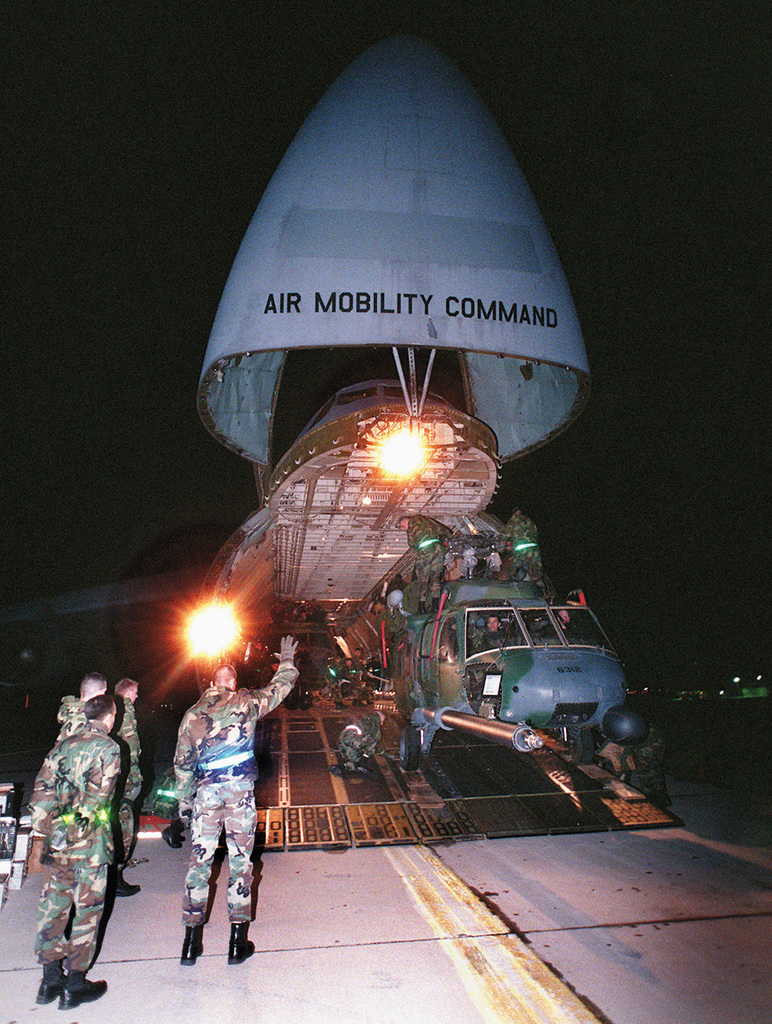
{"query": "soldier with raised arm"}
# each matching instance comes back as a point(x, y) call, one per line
point(216, 771)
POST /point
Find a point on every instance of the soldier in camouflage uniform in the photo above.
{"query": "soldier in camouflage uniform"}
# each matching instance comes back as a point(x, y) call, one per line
point(374, 677)
point(70, 807)
point(524, 545)
point(428, 538)
point(645, 759)
point(216, 770)
point(335, 674)
point(363, 691)
point(358, 742)
point(130, 781)
point(70, 715)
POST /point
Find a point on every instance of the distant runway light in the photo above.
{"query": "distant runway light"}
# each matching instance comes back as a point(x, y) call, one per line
point(402, 454)
point(212, 629)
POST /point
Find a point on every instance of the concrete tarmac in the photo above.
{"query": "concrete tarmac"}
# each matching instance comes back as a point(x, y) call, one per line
point(657, 926)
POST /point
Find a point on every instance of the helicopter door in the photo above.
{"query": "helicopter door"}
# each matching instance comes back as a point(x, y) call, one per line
point(449, 668)
point(428, 664)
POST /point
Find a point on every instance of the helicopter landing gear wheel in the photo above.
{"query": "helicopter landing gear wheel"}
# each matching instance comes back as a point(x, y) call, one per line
point(410, 749)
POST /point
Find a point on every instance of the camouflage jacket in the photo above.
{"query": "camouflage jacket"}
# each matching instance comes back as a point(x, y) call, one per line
point(521, 528)
point(422, 531)
point(363, 736)
point(216, 739)
point(71, 717)
point(128, 740)
point(70, 802)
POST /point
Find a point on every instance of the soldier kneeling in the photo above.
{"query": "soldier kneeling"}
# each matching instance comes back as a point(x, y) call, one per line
point(357, 744)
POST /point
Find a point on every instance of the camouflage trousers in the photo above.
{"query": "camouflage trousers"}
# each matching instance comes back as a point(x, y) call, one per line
point(71, 883)
point(429, 571)
point(230, 806)
point(526, 565)
point(127, 820)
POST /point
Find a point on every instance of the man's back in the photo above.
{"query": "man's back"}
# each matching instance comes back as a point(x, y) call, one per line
point(70, 800)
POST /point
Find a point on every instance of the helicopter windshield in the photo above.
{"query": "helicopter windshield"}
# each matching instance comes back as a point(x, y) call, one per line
point(491, 629)
point(540, 627)
point(580, 627)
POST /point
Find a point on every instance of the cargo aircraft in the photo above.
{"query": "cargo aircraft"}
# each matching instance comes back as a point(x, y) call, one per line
point(398, 229)
point(398, 277)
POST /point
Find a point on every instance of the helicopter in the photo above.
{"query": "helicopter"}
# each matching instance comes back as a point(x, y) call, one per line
point(500, 659)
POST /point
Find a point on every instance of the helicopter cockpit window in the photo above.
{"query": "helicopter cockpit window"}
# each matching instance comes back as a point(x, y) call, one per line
point(447, 650)
point(580, 627)
point(491, 629)
point(540, 628)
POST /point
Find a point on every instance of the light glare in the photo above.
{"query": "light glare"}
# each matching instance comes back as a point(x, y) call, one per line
point(212, 630)
point(402, 453)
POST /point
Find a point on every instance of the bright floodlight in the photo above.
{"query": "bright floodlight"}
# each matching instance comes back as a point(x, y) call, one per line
point(402, 453)
point(212, 630)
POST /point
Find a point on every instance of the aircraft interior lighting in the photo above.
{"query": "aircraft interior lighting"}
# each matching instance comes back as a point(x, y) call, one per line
point(402, 453)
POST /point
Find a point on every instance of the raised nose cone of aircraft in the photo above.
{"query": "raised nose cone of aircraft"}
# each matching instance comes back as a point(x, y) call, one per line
point(399, 217)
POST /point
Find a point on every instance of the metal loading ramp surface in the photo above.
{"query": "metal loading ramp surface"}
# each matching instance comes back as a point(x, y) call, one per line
point(466, 789)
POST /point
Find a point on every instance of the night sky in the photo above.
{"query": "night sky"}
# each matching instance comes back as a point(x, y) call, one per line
point(139, 139)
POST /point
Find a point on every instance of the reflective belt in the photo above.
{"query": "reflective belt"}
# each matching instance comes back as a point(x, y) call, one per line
point(524, 546)
point(353, 728)
point(426, 543)
point(226, 762)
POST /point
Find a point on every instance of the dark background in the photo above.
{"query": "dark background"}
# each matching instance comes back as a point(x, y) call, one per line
point(138, 141)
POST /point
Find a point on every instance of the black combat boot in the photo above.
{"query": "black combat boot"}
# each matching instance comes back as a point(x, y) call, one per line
point(173, 835)
point(52, 984)
point(124, 888)
point(239, 948)
point(78, 989)
point(193, 945)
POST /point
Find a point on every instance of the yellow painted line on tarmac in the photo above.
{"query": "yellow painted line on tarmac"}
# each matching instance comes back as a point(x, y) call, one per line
point(503, 978)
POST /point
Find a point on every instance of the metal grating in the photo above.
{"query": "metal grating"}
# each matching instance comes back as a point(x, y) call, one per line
point(464, 791)
point(270, 828)
point(632, 813)
point(316, 828)
point(380, 824)
point(435, 824)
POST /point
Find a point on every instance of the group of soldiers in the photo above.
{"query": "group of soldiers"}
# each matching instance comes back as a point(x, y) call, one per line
point(83, 806)
point(353, 678)
point(518, 558)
